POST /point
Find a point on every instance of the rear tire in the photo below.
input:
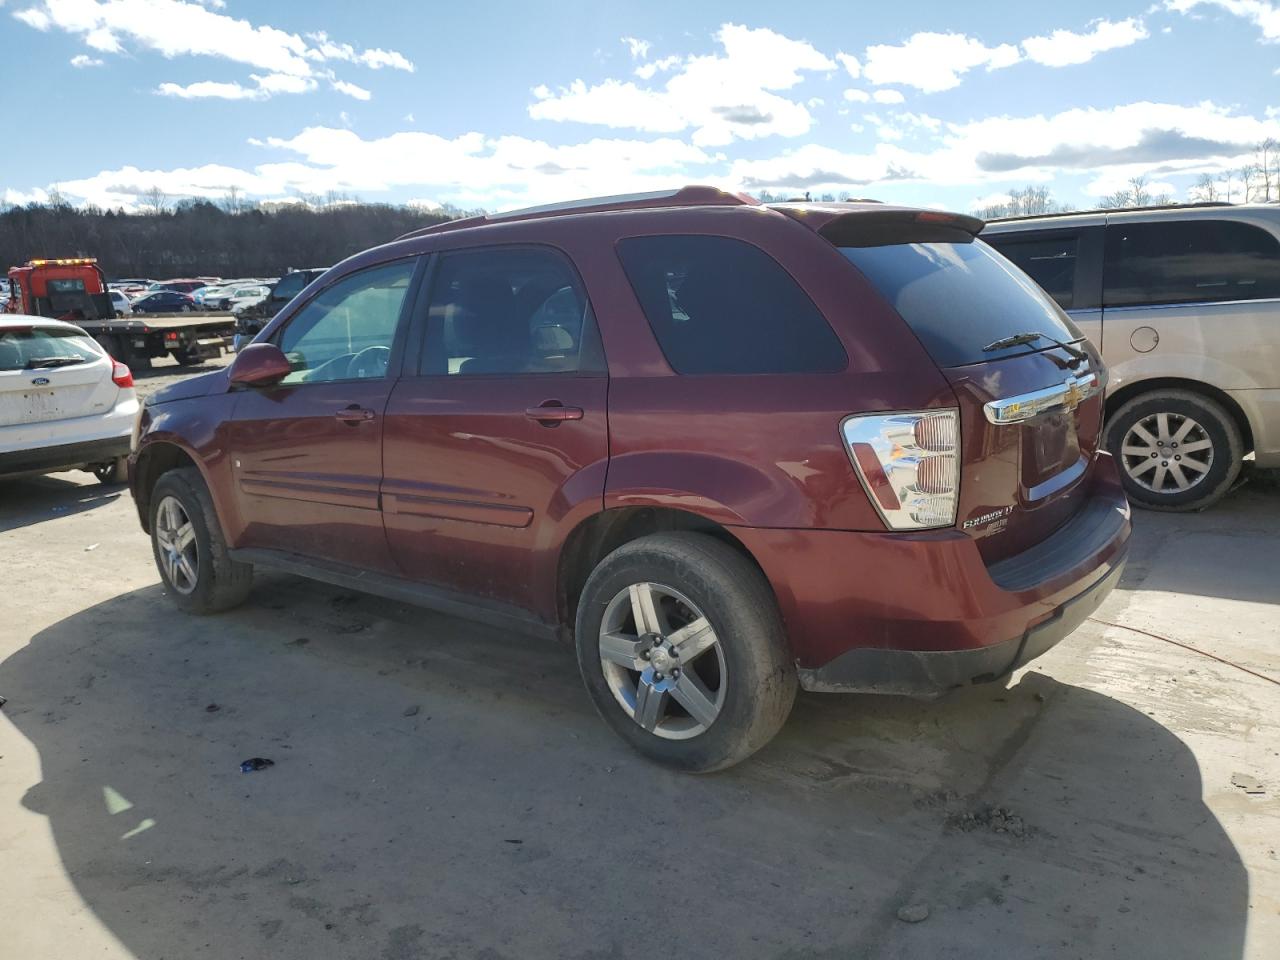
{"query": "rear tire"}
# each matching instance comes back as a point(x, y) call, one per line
point(188, 358)
point(742, 685)
point(1177, 450)
point(189, 548)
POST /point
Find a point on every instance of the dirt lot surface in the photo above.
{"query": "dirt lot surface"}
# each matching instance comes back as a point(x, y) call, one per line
point(445, 790)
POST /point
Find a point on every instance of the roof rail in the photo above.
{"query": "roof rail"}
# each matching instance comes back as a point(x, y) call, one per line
point(1076, 213)
point(691, 196)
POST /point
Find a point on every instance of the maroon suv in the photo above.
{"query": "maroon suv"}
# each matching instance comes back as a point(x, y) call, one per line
point(729, 449)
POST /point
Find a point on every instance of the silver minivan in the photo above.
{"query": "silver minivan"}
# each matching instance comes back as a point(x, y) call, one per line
point(1184, 303)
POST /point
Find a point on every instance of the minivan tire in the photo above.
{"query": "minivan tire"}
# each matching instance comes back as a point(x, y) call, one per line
point(1219, 428)
point(220, 583)
point(759, 677)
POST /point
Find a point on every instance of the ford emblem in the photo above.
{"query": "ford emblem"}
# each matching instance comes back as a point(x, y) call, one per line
point(41, 381)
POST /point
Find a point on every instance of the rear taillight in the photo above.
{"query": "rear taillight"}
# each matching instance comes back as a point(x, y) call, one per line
point(121, 376)
point(910, 465)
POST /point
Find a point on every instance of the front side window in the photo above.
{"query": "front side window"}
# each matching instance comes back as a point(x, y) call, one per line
point(1049, 261)
point(1189, 261)
point(720, 305)
point(346, 331)
point(508, 310)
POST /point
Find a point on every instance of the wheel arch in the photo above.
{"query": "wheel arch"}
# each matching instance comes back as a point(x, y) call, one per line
point(153, 461)
point(1137, 388)
point(598, 535)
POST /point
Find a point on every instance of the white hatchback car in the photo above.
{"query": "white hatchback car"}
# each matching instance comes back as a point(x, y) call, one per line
point(64, 403)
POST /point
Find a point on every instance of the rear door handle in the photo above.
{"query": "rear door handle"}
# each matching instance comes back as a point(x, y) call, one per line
point(355, 414)
point(553, 412)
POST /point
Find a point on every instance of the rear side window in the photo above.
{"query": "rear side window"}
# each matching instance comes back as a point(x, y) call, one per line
point(719, 305)
point(1189, 261)
point(1049, 261)
point(26, 347)
point(961, 297)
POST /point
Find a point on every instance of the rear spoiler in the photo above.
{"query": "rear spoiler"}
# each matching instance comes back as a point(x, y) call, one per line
point(850, 225)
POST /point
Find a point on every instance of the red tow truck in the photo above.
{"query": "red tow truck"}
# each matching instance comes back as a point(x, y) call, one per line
point(75, 289)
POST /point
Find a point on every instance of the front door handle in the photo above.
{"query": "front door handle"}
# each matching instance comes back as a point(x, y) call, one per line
point(552, 412)
point(355, 414)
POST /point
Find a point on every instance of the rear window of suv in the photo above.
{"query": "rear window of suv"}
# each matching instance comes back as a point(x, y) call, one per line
point(720, 305)
point(960, 297)
point(1189, 261)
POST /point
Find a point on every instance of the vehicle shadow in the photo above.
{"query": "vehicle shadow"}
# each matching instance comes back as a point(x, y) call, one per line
point(443, 789)
point(28, 500)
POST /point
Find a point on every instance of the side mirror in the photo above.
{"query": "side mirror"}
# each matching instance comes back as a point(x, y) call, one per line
point(259, 365)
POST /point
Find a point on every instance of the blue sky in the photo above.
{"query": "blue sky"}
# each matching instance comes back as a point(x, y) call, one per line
point(502, 104)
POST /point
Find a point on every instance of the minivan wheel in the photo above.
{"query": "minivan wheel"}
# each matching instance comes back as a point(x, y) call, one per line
point(190, 551)
point(682, 650)
point(1176, 449)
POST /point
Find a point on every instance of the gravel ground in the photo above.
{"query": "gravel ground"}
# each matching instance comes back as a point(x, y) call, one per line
point(444, 790)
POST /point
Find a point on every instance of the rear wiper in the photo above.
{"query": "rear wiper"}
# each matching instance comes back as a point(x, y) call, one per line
point(1020, 339)
point(36, 362)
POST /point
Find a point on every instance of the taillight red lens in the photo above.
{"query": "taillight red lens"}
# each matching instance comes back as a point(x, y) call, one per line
point(121, 375)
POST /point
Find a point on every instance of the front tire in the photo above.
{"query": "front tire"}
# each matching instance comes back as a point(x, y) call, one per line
point(190, 551)
point(682, 650)
point(1177, 450)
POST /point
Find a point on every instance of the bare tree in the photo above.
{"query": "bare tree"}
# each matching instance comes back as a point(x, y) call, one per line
point(1251, 180)
point(1205, 189)
point(1025, 202)
point(231, 202)
point(1267, 157)
point(155, 201)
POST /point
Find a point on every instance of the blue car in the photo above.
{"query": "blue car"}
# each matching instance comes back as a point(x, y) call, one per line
point(164, 301)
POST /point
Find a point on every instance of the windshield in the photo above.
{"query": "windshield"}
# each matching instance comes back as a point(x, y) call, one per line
point(19, 347)
point(960, 297)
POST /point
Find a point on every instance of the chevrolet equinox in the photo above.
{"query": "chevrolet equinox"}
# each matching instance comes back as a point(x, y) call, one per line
point(727, 449)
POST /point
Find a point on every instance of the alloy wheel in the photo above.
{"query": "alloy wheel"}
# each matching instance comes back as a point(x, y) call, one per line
point(176, 539)
point(1167, 453)
point(662, 661)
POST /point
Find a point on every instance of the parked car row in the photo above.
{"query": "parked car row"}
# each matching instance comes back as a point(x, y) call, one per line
point(201, 293)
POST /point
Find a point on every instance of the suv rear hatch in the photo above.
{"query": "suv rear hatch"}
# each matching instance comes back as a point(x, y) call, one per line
point(1027, 383)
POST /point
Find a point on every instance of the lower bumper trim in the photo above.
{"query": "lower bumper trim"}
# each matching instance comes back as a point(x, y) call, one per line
point(931, 673)
point(67, 456)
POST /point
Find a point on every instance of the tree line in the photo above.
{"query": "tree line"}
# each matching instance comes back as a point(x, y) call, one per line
point(199, 238)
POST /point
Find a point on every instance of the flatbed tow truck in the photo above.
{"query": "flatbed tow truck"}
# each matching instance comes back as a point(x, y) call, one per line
point(75, 289)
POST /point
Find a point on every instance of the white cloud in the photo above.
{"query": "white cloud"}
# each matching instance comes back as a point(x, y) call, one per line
point(722, 97)
point(857, 96)
point(851, 64)
point(1262, 14)
point(888, 96)
point(933, 62)
point(646, 71)
point(1064, 47)
point(470, 170)
point(263, 88)
point(176, 28)
point(639, 48)
point(19, 198)
point(1155, 139)
point(856, 127)
point(80, 60)
point(351, 90)
point(814, 102)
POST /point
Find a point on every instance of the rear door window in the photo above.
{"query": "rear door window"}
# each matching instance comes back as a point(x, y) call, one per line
point(1189, 261)
point(720, 305)
point(961, 297)
point(1049, 261)
point(504, 311)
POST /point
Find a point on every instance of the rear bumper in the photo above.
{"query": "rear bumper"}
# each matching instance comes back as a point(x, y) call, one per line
point(69, 456)
point(919, 614)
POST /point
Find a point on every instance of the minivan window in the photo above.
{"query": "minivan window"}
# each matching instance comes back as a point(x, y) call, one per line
point(1189, 261)
point(720, 305)
point(508, 310)
point(960, 297)
point(1049, 261)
